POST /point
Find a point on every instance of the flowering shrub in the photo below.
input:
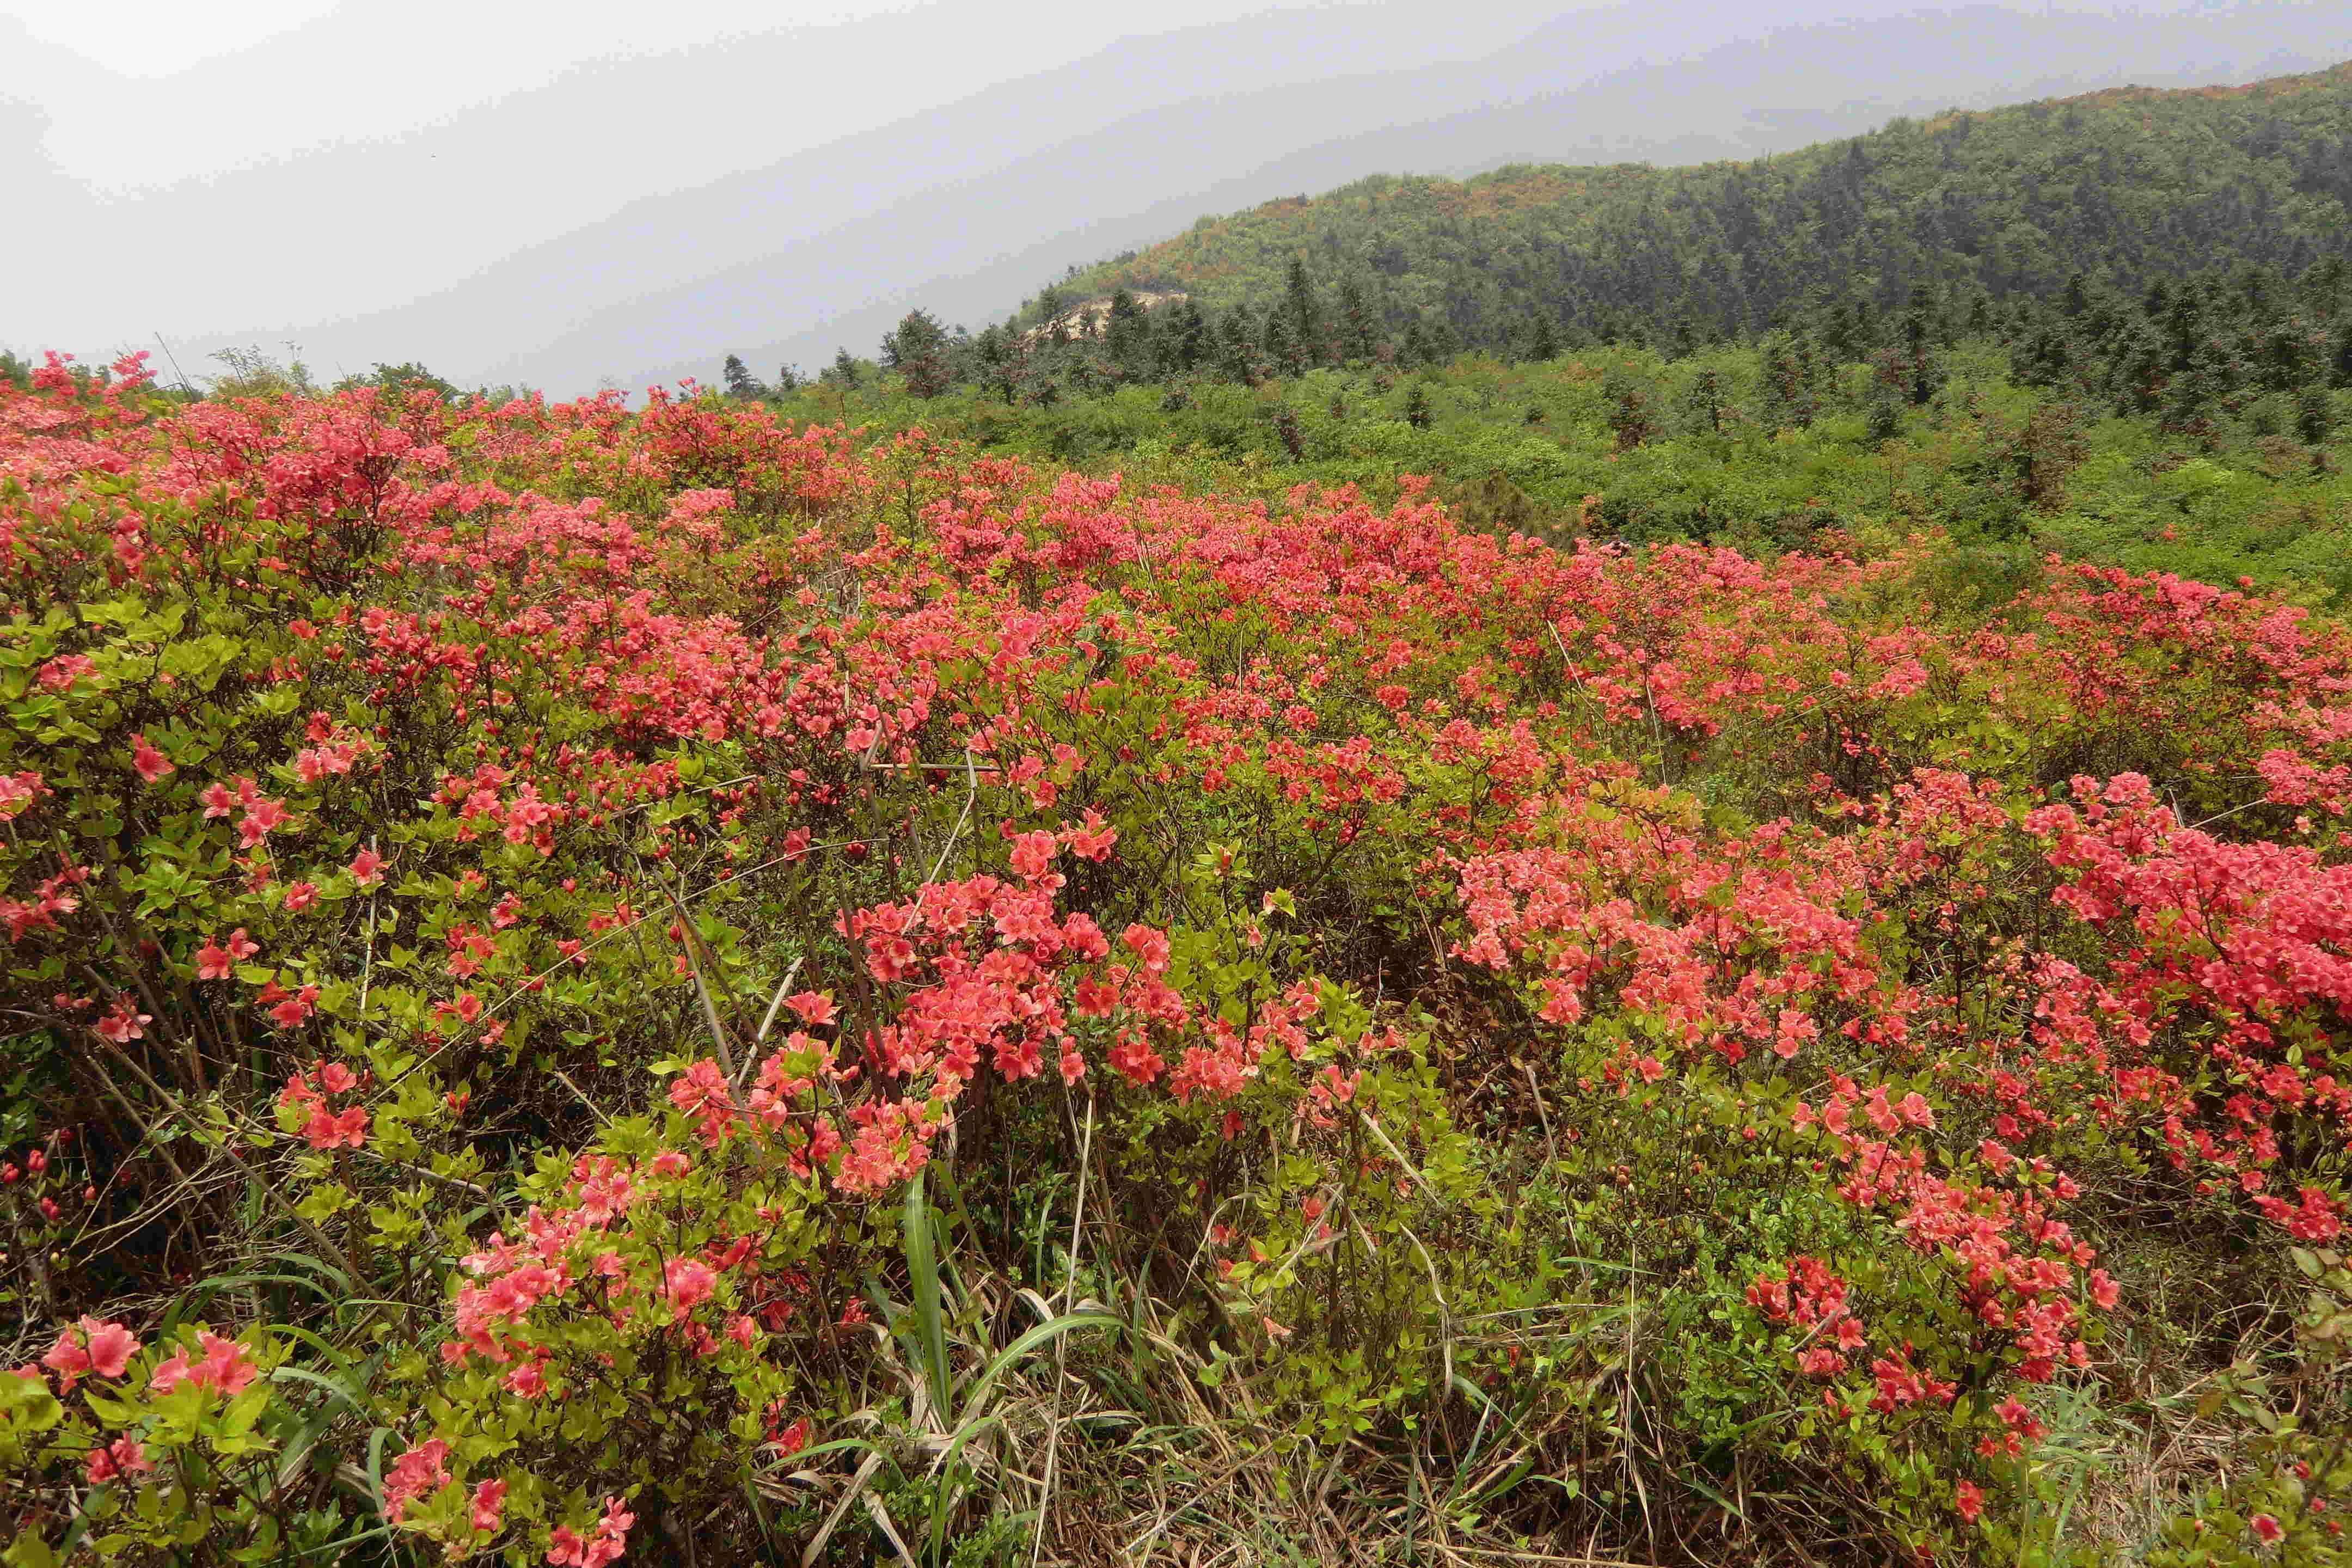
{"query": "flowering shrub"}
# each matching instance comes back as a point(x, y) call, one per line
point(500, 899)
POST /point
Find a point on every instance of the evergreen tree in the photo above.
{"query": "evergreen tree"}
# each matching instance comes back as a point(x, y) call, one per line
point(1284, 347)
point(2184, 327)
point(918, 349)
point(1301, 315)
point(1882, 419)
point(2315, 415)
point(2324, 286)
point(401, 379)
point(1416, 407)
point(2135, 368)
point(998, 353)
point(1127, 335)
point(1791, 375)
point(1846, 329)
point(1543, 339)
point(1922, 369)
point(740, 382)
point(844, 369)
point(2044, 356)
point(1359, 328)
point(1182, 338)
point(1631, 416)
point(1419, 342)
point(1237, 348)
point(1703, 401)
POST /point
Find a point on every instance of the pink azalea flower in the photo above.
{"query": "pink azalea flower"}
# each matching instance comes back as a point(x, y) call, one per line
point(489, 1502)
point(123, 1026)
point(112, 1346)
point(169, 1374)
point(150, 763)
point(124, 1457)
point(686, 1282)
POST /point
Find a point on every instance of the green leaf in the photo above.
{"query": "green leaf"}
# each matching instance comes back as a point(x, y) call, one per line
point(29, 1551)
point(923, 1274)
point(26, 1401)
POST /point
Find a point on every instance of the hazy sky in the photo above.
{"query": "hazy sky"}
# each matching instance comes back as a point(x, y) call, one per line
point(477, 181)
point(151, 38)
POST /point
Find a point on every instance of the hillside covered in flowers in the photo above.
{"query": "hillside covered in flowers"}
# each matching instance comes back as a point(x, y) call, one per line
point(591, 985)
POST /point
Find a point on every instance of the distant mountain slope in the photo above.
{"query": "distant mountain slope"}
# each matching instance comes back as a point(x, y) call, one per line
point(2123, 186)
point(772, 265)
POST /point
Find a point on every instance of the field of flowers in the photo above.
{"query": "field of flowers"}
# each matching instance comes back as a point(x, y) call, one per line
point(591, 985)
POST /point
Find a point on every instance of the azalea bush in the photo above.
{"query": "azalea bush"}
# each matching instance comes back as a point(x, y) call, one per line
point(592, 984)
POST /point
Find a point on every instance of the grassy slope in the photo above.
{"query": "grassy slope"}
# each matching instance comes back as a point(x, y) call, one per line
point(1523, 445)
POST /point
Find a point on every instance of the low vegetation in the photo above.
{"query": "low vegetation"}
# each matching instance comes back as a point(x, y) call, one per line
point(681, 985)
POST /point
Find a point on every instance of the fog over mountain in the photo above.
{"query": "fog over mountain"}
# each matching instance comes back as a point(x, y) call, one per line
point(631, 208)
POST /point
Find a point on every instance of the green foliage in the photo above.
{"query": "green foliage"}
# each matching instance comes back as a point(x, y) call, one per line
point(401, 379)
point(253, 371)
point(1772, 447)
point(2126, 186)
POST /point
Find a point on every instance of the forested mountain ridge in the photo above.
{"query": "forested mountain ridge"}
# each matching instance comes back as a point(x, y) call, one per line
point(2123, 187)
point(2116, 328)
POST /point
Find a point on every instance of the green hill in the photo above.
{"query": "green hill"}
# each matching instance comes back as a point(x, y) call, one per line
point(2123, 187)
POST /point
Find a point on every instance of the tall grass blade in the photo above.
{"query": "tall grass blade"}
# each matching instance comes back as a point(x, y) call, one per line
point(930, 1327)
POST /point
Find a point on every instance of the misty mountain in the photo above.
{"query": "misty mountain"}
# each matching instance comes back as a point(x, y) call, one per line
point(971, 249)
point(378, 155)
point(433, 244)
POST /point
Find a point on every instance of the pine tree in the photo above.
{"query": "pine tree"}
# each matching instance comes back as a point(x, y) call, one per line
point(1127, 335)
point(740, 382)
point(1301, 316)
point(1703, 398)
point(2315, 415)
point(1416, 407)
point(1790, 379)
point(1922, 371)
point(1182, 338)
point(1358, 330)
point(918, 349)
point(1420, 344)
point(1882, 421)
point(1050, 304)
point(1237, 348)
point(999, 356)
point(1543, 341)
point(1630, 419)
point(1283, 344)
